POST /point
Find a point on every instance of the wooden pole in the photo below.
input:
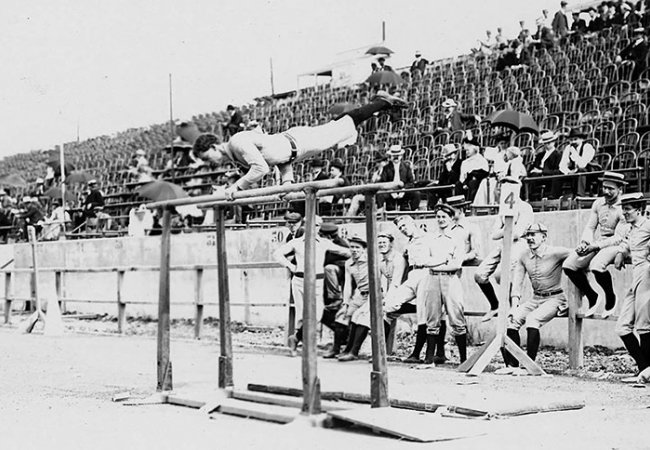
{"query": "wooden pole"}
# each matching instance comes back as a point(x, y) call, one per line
point(198, 299)
point(310, 382)
point(164, 361)
point(121, 305)
point(379, 374)
point(225, 338)
point(8, 296)
point(576, 343)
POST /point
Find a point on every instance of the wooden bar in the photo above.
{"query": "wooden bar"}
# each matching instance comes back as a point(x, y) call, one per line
point(310, 382)
point(163, 341)
point(198, 298)
point(248, 194)
point(58, 287)
point(575, 339)
point(8, 296)
point(121, 304)
point(379, 374)
point(225, 337)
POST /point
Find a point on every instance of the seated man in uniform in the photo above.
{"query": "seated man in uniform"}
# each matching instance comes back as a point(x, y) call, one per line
point(543, 264)
point(257, 153)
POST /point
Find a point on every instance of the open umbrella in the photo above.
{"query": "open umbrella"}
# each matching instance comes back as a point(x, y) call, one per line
point(514, 120)
point(55, 193)
point(13, 180)
point(385, 77)
point(55, 164)
point(78, 176)
point(379, 50)
point(339, 108)
point(161, 190)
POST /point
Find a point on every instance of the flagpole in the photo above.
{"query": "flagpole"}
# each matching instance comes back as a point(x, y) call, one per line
point(171, 129)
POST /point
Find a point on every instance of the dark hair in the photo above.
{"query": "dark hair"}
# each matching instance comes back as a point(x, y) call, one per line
point(229, 108)
point(204, 143)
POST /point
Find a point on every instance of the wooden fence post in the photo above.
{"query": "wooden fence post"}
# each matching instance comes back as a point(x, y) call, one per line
point(164, 363)
point(121, 306)
point(225, 337)
point(575, 341)
point(8, 296)
point(58, 287)
point(198, 300)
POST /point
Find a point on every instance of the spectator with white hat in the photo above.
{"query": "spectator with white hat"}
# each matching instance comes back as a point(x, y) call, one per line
point(547, 162)
point(449, 174)
point(398, 170)
point(454, 120)
point(420, 63)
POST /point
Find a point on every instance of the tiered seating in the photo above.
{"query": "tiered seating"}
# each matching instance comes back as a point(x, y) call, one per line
point(578, 85)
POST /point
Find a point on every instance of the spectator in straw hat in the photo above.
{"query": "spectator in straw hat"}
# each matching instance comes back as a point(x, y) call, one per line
point(419, 64)
point(547, 162)
point(634, 313)
point(577, 157)
point(454, 120)
point(449, 174)
point(398, 170)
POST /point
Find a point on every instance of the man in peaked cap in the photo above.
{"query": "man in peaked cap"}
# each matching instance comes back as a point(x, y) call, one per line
point(599, 245)
point(543, 264)
point(257, 152)
point(634, 313)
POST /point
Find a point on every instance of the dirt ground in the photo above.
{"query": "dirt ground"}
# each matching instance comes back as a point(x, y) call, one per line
point(56, 394)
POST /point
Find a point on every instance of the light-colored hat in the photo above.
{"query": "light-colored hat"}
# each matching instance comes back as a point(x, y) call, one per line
point(547, 136)
point(516, 151)
point(93, 181)
point(386, 234)
point(613, 177)
point(448, 149)
point(395, 150)
point(418, 53)
point(457, 201)
point(450, 211)
point(39, 181)
point(449, 103)
point(636, 199)
point(140, 152)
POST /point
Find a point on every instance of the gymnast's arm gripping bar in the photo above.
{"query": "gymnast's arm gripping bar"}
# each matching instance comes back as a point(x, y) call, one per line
point(250, 193)
point(296, 196)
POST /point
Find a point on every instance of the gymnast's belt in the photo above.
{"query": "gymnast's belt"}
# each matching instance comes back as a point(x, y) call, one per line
point(294, 146)
point(548, 293)
point(319, 276)
point(433, 271)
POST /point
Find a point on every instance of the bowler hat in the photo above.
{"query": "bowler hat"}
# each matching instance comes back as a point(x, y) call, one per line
point(577, 133)
point(636, 199)
point(614, 177)
point(317, 163)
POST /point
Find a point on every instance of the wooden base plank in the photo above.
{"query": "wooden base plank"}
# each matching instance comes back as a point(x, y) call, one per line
point(270, 413)
point(516, 351)
point(411, 425)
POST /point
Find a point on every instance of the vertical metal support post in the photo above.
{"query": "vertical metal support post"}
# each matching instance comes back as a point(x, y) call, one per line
point(225, 338)
point(163, 341)
point(198, 300)
point(8, 296)
point(379, 374)
point(310, 382)
point(121, 305)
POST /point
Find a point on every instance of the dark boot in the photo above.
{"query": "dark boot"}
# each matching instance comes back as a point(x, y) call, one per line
point(532, 343)
point(420, 340)
point(645, 351)
point(340, 333)
point(579, 278)
point(359, 337)
point(488, 291)
point(440, 357)
point(352, 331)
point(431, 348)
point(387, 329)
point(604, 279)
point(461, 342)
point(632, 346)
point(508, 359)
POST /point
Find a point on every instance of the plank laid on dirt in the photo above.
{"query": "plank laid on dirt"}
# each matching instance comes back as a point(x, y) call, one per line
point(411, 425)
point(283, 400)
point(270, 413)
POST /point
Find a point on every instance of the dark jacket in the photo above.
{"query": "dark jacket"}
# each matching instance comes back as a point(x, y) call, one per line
point(420, 65)
point(551, 165)
point(234, 125)
point(457, 121)
point(405, 174)
point(94, 199)
point(450, 176)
